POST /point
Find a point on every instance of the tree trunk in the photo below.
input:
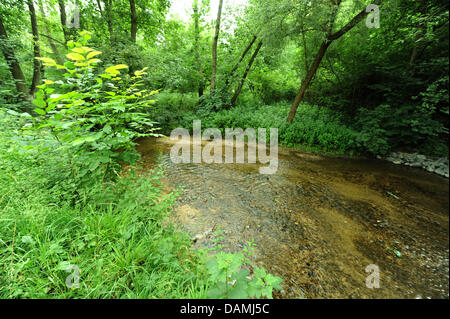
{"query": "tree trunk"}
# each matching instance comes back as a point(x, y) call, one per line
point(13, 63)
point(241, 84)
point(37, 65)
point(133, 20)
point(63, 18)
point(309, 76)
point(197, 48)
point(50, 40)
point(227, 81)
point(214, 47)
point(319, 57)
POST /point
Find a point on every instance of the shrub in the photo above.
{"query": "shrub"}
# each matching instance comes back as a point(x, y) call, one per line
point(95, 117)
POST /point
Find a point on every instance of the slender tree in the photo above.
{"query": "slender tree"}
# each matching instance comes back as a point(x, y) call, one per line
point(214, 47)
point(107, 16)
point(37, 65)
point(134, 20)
point(63, 19)
point(236, 66)
point(196, 17)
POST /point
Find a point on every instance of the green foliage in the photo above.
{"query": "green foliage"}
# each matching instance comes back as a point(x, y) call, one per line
point(95, 118)
point(171, 109)
point(272, 85)
point(231, 278)
point(405, 127)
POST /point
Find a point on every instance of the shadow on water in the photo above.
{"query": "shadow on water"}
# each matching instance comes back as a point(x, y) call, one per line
point(320, 221)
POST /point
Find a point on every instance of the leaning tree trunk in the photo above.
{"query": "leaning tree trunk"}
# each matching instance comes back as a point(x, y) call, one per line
point(236, 66)
point(241, 84)
point(13, 63)
point(319, 56)
point(37, 65)
point(214, 47)
point(312, 71)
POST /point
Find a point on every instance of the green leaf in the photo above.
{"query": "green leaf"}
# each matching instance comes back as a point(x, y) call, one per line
point(75, 57)
point(39, 103)
point(40, 111)
point(239, 291)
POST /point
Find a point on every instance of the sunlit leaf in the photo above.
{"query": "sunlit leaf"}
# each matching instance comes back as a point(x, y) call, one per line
point(92, 54)
point(75, 56)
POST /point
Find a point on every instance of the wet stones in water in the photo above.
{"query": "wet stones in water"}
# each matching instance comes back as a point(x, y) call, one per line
point(438, 166)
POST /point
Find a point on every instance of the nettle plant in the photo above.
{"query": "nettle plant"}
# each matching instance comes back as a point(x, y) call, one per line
point(95, 116)
point(231, 275)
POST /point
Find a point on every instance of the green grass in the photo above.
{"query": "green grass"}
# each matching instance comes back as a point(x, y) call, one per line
point(123, 250)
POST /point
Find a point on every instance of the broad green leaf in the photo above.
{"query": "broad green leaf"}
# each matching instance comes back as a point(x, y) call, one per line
point(79, 50)
point(75, 57)
point(92, 54)
point(40, 111)
point(39, 102)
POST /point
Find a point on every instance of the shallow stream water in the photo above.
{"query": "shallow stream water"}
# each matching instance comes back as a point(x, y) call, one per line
point(320, 221)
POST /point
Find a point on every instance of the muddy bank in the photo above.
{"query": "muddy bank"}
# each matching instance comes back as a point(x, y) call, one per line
point(320, 221)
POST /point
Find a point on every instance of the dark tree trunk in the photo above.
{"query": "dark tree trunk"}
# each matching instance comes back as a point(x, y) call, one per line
point(12, 62)
point(37, 65)
point(214, 47)
point(133, 20)
point(308, 78)
point(197, 49)
point(244, 76)
point(63, 18)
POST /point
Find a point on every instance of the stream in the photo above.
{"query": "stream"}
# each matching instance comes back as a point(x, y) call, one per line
point(320, 220)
